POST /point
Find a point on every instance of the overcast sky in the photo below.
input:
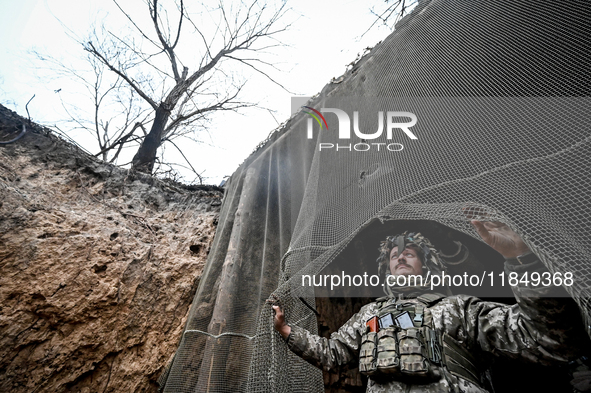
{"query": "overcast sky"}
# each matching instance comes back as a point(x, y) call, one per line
point(324, 38)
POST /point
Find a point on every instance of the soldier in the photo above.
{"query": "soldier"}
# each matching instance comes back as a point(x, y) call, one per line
point(415, 340)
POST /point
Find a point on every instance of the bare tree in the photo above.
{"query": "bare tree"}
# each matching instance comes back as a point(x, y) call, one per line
point(105, 107)
point(158, 90)
point(176, 107)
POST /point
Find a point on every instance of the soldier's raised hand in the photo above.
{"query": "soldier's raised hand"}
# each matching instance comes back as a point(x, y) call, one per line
point(501, 238)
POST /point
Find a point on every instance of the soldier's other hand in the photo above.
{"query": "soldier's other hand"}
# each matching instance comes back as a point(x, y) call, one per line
point(279, 317)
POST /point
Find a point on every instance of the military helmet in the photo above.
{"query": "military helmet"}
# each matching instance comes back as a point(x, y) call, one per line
point(430, 255)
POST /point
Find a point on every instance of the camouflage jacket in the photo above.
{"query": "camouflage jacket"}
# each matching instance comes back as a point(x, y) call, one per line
point(539, 328)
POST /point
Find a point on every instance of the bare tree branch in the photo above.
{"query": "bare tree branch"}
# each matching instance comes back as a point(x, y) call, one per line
point(186, 160)
point(178, 33)
point(260, 72)
point(121, 140)
point(90, 48)
point(141, 56)
point(169, 49)
point(134, 24)
point(392, 9)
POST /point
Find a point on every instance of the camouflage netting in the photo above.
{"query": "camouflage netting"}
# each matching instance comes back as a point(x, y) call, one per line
point(292, 209)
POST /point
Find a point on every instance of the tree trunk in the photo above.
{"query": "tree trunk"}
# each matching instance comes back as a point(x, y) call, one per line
point(144, 159)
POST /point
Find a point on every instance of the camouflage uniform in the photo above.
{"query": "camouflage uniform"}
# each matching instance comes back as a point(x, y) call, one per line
point(539, 328)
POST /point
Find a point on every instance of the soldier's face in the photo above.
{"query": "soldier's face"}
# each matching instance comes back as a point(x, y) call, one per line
point(406, 263)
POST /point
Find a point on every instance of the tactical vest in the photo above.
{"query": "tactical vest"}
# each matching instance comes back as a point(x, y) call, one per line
point(415, 352)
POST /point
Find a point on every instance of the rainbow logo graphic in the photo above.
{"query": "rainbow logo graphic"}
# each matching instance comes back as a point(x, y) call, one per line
point(313, 114)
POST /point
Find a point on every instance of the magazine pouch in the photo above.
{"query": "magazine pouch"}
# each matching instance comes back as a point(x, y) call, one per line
point(388, 361)
point(413, 344)
point(368, 354)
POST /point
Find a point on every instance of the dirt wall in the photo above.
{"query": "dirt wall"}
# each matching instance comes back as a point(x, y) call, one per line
point(98, 267)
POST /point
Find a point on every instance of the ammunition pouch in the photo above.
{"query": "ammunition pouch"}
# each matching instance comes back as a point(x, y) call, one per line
point(415, 360)
point(368, 354)
point(414, 354)
point(401, 353)
point(388, 360)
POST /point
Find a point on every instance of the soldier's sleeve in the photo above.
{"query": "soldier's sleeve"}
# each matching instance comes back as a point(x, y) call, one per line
point(330, 354)
point(544, 326)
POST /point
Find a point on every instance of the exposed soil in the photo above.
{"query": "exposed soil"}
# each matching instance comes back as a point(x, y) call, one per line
point(98, 266)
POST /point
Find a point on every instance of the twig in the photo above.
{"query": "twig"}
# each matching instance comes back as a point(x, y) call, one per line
point(27, 108)
point(193, 169)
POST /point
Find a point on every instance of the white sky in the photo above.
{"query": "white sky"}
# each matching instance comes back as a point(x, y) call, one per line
point(324, 38)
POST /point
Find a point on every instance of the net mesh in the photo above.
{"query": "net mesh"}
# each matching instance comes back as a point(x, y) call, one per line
point(501, 91)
